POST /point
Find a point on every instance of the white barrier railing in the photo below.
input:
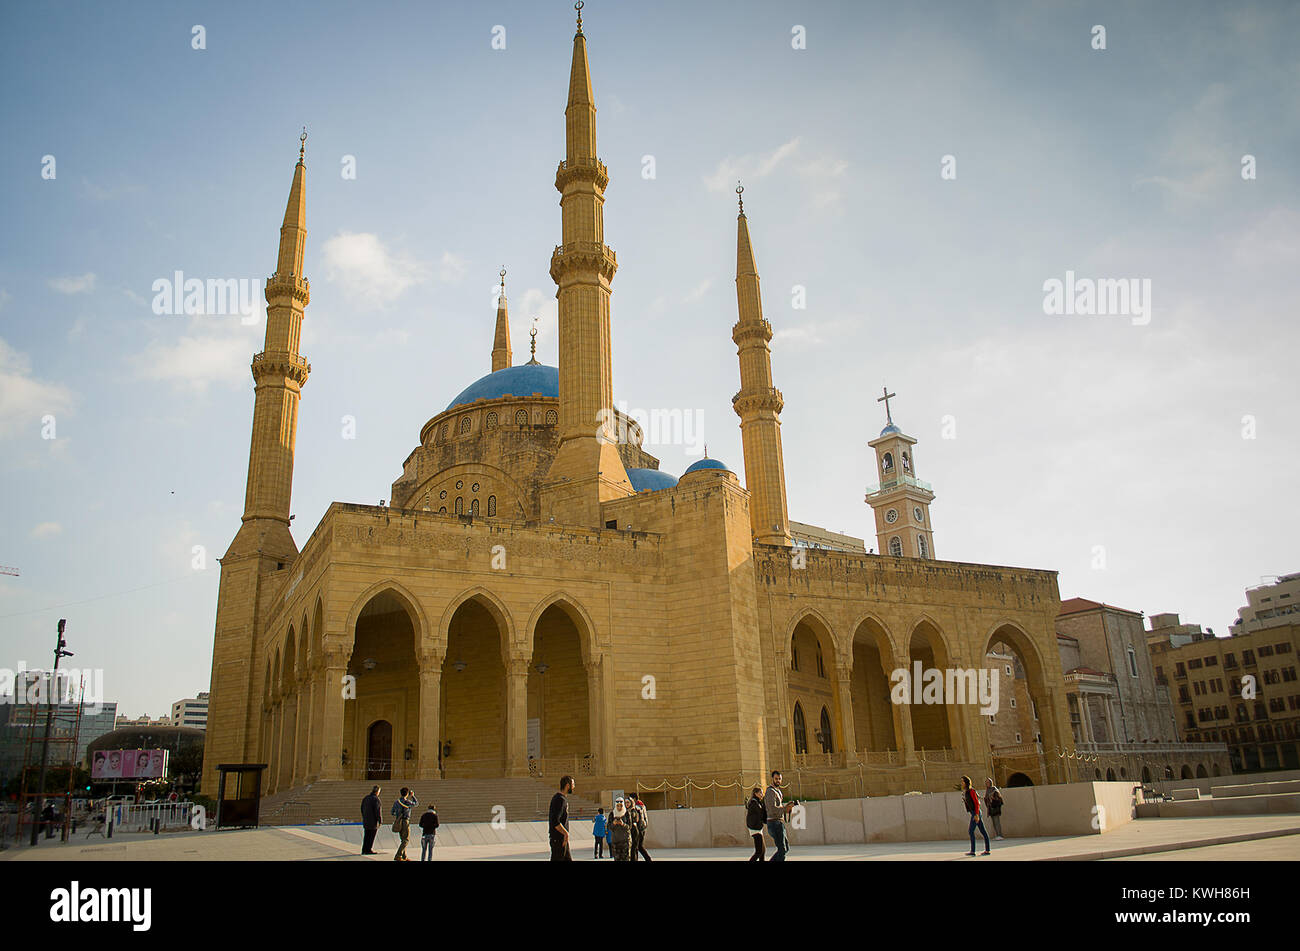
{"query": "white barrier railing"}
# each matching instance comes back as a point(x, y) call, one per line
point(141, 817)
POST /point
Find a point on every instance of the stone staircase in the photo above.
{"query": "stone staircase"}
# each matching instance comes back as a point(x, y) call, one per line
point(457, 800)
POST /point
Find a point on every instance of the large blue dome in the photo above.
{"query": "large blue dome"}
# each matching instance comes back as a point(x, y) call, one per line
point(705, 464)
point(527, 379)
point(650, 480)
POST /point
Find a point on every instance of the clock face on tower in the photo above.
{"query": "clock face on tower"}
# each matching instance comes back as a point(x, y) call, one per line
point(920, 516)
point(891, 515)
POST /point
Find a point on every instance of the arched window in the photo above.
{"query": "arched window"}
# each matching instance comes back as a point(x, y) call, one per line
point(464, 425)
point(473, 506)
point(922, 547)
point(821, 664)
point(794, 657)
point(442, 433)
point(552, 417)
point(521, 418)
point(491, 421)
point(442, 510)
point(800, 731)
point(907, 463)
point(460, 505)
point(828, 739)
point(888, 462)
point(896, 547)
point(492, 505)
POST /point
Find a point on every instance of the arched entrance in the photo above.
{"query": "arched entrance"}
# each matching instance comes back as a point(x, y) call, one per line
point(1186, 772)
point(386, 689)
point(874, 726)
point(1019, 779)
point(1146, 774)
point(932, 725)
point(1201, 773)
point(1024, 706)
point(379, 750)
point(1110, 775)
point(559, 708)
point(473, 692)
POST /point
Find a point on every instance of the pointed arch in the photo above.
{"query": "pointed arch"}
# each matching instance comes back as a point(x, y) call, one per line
point(493, 605)
point(304, 641)
point(578, 614)
point(876, 632)
point(412, 605)
point(286, 677)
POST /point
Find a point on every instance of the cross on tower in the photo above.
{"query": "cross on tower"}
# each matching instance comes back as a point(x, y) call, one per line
point(885, 399)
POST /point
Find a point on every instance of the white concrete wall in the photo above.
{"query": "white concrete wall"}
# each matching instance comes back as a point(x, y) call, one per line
point(1057, 810)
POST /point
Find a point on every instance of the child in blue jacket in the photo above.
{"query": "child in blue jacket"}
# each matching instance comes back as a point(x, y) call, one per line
point(598, 830)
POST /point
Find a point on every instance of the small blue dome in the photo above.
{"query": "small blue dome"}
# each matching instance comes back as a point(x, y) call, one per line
point(891, 428)
point(651, 480)
point(523, 380)
point(706, 464)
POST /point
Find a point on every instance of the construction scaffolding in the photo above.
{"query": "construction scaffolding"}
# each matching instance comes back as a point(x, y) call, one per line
point(52, 737)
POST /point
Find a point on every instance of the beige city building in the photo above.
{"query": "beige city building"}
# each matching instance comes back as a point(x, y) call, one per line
point(1240, 690)
point(1121, 714)
point(538, 597)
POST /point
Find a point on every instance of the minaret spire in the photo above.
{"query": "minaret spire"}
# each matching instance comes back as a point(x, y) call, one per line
point(587, 469)
point(279, 373)
point(501, 354)
point(759, 403)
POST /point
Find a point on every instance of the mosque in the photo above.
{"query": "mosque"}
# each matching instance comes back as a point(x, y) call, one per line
point(539, 597)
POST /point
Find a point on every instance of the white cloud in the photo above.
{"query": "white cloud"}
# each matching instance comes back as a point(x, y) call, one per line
point(25, 399)
point(368, 270)
point(47, 530)
point(451, 268)
point(697, 292)
point(821, 171)
point(748, 168)
point(543, 305)
point(196, 362)
point(80, 284)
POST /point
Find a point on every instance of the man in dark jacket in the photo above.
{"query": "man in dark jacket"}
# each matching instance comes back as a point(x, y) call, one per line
point(558, 822)
point(428, 832)
point(755, 818)
point(371, 811)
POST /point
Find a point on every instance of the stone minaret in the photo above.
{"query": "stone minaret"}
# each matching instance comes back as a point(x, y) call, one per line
point(263, 544)
point(501, 354)
point(759, 403)
point(587, 469)
point(279, 373)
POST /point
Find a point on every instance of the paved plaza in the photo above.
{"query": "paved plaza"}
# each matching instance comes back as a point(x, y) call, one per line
point(1238, 838)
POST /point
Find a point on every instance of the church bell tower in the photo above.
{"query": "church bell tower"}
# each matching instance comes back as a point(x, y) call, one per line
point(900, 500)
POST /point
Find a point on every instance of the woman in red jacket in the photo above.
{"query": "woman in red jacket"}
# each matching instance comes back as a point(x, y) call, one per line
point(972, 800)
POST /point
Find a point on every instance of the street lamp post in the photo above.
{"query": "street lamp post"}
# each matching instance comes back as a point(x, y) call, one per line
point(59, 653)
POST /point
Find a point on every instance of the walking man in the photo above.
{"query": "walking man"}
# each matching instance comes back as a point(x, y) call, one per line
point(402, 821)
point(598, 830)
point(371, 810)
point(972, 800)
point(755, 817)
point(428, 829)
point(640, 825)
point(776, 810)
point(558, 822)
point(993, 805)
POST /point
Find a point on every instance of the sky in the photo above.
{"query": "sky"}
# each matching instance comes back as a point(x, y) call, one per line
point(915, 176)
